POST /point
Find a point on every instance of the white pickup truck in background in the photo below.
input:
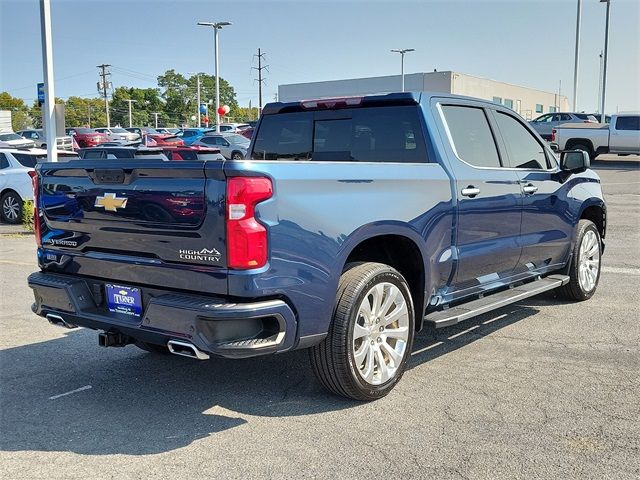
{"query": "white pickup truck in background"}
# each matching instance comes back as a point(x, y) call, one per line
point(620, 136)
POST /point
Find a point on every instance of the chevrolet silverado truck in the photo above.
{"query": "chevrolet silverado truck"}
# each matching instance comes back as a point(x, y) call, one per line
point(620, 136)
point(353, 224)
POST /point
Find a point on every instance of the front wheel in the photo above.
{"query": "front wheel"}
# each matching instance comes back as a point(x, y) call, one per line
point(584, 270)
point(237, 156)
point(365, 352)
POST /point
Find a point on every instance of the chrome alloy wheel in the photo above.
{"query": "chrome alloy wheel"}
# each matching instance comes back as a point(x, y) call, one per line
point(380, 333)
point(589, 261)
point(11, 208)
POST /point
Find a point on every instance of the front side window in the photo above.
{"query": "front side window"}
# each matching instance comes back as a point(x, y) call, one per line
point(368, 134)
point(471, 135)
point(628, 123)
point(523, 149)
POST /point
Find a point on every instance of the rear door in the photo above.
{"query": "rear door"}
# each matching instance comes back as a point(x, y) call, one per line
point(625, 134)
point(546, 228)
point(489, 200)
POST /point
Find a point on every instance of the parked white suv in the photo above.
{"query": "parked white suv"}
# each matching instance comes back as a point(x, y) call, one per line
point(16, 170)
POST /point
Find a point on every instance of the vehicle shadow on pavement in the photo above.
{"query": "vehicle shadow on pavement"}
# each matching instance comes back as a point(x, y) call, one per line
point(142, 403)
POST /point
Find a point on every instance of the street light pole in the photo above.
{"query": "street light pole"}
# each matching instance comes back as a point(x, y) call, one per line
point(47, 68)
point(604, 62)
point(576, 59)
point(198, 114)
point(216, 26)
point(402, 52)
point(130, 102)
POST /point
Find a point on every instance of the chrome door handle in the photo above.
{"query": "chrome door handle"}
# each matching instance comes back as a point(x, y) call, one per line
point(529, 189)
point(470, 191)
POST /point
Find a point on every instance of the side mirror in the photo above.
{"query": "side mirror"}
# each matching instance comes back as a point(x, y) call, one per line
point(574, 160)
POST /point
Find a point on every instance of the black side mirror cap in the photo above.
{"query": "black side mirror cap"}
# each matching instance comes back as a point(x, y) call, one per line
point(574, 160)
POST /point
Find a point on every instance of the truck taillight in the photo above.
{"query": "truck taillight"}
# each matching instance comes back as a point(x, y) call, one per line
point(246, 238)
point(35, 184)
point(553, 134)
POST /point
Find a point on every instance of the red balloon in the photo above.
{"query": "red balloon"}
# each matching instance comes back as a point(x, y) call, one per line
point(206, 119)
point(221, 110)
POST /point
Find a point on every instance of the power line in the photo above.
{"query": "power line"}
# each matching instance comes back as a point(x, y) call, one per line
point(260, 79)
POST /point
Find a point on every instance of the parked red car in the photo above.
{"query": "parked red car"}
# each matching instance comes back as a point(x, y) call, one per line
point(247, 132)
point(192, 152)
point(160, 139)
point(86, 137)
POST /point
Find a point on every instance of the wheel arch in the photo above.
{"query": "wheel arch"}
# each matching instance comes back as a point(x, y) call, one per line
point(577, 141)
point(398, 249)
point(596, 211)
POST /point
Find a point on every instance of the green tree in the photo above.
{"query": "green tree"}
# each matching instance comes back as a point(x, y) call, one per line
point(180, 95)
point(84, 112)
point(146, 101)
point(20, 118)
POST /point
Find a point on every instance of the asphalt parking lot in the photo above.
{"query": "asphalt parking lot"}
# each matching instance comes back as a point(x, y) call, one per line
point(542, 389)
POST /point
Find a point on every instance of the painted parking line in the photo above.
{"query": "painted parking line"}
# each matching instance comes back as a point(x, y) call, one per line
point(86, 387)
point(22, 264)
point(623, 270)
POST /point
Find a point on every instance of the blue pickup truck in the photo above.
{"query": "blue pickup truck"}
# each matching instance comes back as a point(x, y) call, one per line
point(354, 223)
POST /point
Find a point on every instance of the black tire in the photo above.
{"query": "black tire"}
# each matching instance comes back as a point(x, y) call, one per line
point(237, 156)
point(152, 347)
point(574, 290)
point(584, 148)
point(11, 208)
point(333, 359)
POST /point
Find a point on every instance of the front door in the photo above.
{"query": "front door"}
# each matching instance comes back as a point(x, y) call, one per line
point(489, 203)
point(547, 227)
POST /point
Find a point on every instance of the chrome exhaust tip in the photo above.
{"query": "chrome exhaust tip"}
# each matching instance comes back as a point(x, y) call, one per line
point(59, 321)
point(186, 349)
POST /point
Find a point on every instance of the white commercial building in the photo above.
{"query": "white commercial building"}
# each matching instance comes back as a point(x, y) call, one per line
point(528, 102)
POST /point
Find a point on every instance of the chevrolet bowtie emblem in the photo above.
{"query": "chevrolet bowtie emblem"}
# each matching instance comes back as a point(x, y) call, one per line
point(110, 202)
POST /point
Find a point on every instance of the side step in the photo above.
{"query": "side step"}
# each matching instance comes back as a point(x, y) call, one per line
point(453, 315)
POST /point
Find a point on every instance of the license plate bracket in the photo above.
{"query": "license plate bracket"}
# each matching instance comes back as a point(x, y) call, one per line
point(124, 299)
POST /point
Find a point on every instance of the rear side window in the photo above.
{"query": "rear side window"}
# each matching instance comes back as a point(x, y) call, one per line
point(369, 134)
point(93, 154)
point(628, 123)
point(4, 163)
point(27, 160)
point(471, 135)
point(523, 149)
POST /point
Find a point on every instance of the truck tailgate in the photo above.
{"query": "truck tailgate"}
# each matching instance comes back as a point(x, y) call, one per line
point(141, 215)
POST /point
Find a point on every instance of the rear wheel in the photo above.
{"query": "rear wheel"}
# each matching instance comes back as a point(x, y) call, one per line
point(11, 208)
point(584, 271)
point(371, 335)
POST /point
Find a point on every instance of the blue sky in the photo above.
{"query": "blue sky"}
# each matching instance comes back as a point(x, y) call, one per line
point(527, 42)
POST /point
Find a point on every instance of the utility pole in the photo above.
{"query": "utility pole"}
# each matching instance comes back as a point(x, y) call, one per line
point(216, 26)
point(576, 59)
point(198, 106)
point(47, 68)
point(89, 114)
point(103, 85)
point(155, 114)
point(259, 68)
point(129, 101)
point(600, 84)
point(604, 63)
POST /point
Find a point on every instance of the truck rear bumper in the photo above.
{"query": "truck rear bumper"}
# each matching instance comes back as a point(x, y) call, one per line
point(211, 324)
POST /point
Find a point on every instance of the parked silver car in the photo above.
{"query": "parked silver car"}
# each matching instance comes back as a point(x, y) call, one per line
point(232, 146)
point(36, 135)
point(119, 134)
point(545, 123)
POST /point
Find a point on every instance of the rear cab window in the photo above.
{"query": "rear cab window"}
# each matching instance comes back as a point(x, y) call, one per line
point(629, 122)
point(366, 134)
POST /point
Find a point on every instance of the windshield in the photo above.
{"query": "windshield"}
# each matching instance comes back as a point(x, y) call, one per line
point(236, 139)
point(152, 131)
point(27, 160)
point(85, 131)
point(119, 130)
point(10, 136)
